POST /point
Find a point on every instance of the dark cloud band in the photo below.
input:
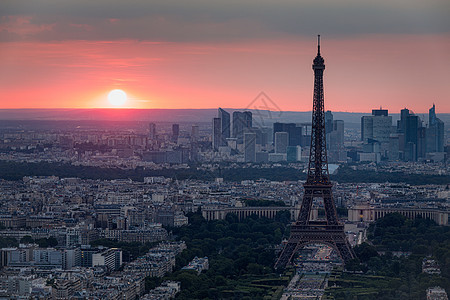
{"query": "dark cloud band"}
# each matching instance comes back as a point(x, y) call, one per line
point(209, 20)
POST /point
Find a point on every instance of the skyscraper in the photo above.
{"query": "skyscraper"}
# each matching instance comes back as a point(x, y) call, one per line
point(334, 133)
point(380, 112)
point(293, 153)
point(432, 119)
point(281, 142)
point(411, 137)
point(335, 142)
point(338, 133)
point(249, 147)
point(434, 133)
point(294, 132)
point(401, 129)
point(377, 127)
point(401, 124)
point(225, 125)
point(328, 121)
point(241, 121)
point(394, 147)
point(221, 129)
point(194, 133)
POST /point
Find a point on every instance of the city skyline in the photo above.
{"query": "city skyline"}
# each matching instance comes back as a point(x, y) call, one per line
point(195, 210)
point(205, 55)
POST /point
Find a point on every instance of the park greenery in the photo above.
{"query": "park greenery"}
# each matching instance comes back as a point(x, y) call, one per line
point(389, 266)
point(10, 170)
point(241, 257)
point(42, 242)
point(8, 242)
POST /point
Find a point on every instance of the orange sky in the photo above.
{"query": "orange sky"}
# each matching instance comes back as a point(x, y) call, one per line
point(362, 71)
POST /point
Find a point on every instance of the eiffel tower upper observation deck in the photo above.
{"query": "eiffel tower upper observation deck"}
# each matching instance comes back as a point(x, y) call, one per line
point(305, 231)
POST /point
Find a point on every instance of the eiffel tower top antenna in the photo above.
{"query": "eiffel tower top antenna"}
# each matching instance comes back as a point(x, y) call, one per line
point(318, 44)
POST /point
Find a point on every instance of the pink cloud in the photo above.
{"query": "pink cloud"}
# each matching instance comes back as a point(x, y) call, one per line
point(23, 26)
point(85, 27)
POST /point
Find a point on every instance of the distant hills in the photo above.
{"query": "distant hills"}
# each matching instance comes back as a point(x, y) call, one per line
point(260, 117)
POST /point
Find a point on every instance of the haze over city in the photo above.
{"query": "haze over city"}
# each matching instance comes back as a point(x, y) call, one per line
point(205, 54)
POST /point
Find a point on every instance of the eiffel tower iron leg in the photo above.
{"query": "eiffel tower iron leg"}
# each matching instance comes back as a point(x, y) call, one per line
point(345, 250)
point(286, 254)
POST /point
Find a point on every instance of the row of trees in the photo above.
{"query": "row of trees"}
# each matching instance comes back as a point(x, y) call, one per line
point(42, 242)
point(347, 174)
point(10, 170)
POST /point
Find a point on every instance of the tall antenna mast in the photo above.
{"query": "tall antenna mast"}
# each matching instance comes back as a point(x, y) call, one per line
point(318, 44)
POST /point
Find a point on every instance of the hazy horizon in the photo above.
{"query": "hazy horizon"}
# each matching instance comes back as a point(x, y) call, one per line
point(260, 117)
point(198, 53)
point(211, 108)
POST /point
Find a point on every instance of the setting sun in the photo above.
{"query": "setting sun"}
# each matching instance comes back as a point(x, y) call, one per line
point(117, 97)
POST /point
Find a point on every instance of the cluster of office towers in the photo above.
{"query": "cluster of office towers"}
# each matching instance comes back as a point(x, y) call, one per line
point(282, 142)
point(410, 140)
point(222, 130)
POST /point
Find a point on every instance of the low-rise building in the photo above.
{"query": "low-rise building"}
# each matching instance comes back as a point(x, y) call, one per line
point(436, 293)
point(111, 258)
point(198, 264)
point(167, 290)
point(369, 213)
point(430, 266)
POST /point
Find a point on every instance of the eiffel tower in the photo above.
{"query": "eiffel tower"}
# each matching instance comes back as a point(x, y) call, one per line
point(305, 231)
